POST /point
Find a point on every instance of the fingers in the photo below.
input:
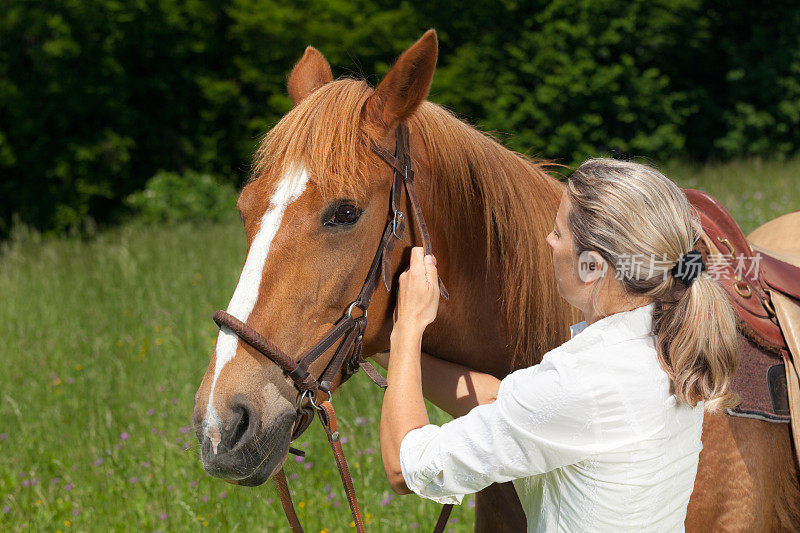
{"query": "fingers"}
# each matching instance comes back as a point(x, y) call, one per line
point(430, 270)
point(417, 264)
point(424, 265)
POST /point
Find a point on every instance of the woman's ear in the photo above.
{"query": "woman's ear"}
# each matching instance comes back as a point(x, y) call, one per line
point(591, 266)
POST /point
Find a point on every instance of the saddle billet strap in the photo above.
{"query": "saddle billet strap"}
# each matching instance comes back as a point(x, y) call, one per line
point(286, 501)
point(328, 419)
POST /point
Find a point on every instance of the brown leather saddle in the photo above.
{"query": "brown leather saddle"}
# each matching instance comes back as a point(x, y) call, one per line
point(755, 283)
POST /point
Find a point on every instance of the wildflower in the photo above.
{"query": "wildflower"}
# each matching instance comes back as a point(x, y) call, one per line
point(124, 436)
point(98, 461)
point(163, 516)
point(293, 476)
point(308, 465)
point(185, 429)
point(386, 501)
point(78, 368)
point(471, 504)
point(3, 436)
point(204, 499)
point(55, 480)
point(369, 451)
point(269, 501)
point(76, 512)
point(56, 382)
point(193, 483)
point(69, 487)
point(174, 401)
point(26, 482)
point(154, 431)
point(301, 504)
point(336, 504)
point(299, 458)
point(413, 525)
point(6, 509)
point(223, 494)
point(145, 464)
point(344, 440)
point(326, 488)
point(161, 388)
point(151, 412)
point(133, 479)
point(70, 381)
point(67, 523)
point(361, 421)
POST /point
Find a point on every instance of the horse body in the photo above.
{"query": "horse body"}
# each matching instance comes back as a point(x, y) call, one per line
point(488, 211)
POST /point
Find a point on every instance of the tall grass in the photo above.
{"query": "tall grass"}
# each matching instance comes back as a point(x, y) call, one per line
point(104, 340)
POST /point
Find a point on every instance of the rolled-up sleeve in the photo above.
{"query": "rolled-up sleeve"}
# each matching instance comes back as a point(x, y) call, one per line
point(540, 421)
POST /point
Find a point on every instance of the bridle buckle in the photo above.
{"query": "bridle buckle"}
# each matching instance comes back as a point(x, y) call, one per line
point(397, 222)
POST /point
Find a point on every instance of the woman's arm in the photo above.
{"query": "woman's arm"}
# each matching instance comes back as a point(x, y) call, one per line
point(403, 406)
point(455, 388)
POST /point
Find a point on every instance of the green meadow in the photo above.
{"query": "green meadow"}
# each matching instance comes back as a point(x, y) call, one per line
point(104, 340)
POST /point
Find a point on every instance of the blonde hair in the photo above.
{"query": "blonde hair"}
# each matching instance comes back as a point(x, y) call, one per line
point(625, 210)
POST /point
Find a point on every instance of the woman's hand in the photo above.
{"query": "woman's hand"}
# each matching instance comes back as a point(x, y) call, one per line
point(418, 293)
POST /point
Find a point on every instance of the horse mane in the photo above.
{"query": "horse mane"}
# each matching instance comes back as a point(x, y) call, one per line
point(516, 195)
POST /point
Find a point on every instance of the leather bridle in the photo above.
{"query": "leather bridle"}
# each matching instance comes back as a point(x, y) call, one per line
point(348, 331)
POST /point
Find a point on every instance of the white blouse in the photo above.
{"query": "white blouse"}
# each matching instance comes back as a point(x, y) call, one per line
point(592, 437)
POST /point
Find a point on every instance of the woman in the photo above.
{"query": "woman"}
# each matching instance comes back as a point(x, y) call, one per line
point(604, 433)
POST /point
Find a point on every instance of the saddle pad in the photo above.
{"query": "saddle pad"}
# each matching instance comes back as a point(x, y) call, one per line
point(760, 382)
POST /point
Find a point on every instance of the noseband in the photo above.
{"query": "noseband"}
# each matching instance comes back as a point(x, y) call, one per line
point(348, 331)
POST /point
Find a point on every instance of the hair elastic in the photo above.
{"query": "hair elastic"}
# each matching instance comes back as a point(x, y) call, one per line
point(689, 267)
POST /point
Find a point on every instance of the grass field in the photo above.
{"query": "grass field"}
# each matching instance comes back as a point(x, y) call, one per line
point(105, 340)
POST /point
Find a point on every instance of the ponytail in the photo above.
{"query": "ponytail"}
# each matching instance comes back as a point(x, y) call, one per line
point(697, 344)
point(623, 210)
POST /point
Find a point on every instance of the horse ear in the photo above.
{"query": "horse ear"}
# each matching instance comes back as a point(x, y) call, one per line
point(406, 85)
point(308, 75)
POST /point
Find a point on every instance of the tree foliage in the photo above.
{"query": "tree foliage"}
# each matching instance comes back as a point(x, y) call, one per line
point(98, 96)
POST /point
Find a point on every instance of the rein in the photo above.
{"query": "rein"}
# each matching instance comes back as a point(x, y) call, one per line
point(349, 332)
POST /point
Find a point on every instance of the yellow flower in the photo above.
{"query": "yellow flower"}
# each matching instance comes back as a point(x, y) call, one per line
point(205, 523)
point(38, 502)
point(57, 382)
point(67, 523)
point(323, 530)
point(159, 341)
point(78, 368)
point(369, 518)
point(352, 524)
point(301, 505)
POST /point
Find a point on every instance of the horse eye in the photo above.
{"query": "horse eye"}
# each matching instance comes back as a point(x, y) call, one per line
point(343, 215)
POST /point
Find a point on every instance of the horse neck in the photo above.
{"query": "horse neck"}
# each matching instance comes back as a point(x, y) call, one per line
point(472, 327)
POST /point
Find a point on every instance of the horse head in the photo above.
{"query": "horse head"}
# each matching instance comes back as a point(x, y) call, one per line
point(313, 216)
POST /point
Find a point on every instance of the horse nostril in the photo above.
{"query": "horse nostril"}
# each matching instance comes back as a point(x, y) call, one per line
point(239, 426)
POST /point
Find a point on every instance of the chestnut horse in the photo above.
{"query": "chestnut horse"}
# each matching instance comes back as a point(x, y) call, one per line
point(314, 214)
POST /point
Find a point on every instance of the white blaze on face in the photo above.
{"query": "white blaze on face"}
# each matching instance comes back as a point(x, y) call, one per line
point(244, 297)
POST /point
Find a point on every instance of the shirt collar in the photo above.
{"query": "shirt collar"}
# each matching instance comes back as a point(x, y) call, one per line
point(630, 324)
